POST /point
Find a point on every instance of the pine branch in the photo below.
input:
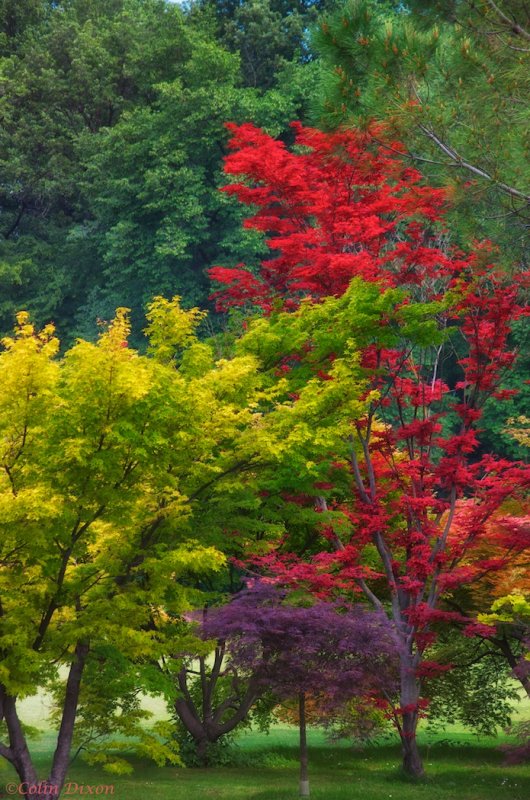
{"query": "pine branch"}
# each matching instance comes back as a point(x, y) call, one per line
point(512, 24)
point(461, 162)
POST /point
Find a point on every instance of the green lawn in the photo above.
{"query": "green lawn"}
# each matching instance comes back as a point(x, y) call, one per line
point(459, 766)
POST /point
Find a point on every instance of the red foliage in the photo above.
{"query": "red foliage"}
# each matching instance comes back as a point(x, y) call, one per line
point(344, 207)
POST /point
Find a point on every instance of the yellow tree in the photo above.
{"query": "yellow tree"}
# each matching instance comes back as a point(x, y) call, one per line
point(117, 474)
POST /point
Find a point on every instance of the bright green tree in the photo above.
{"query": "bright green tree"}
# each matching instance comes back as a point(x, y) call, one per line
point(267, 34)
point(66, 70)
point(152, 183)
point(119, 474)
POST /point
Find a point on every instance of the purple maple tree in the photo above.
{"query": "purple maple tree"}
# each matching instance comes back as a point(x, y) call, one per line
point(321, 651)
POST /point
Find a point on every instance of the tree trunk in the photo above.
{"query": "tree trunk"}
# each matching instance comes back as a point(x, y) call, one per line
point(412, 763)
point(525, 682)
point(210, 723)
point(201, 746)
point(18, 753)
point(304, 773)
point(61, 757)
point(515, 663)
point(410, 695)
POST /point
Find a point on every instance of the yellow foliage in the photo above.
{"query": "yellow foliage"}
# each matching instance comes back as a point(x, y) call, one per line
point(170, 326)
point(519, 429)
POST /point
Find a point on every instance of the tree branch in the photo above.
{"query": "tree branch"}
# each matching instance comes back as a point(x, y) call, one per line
point(240, 465)
point(370, 595)
point(461, 162)
point(12, 228)
point(512, 24)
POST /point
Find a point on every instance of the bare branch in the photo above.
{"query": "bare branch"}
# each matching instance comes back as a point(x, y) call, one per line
point(357, 472)
point(370, 595)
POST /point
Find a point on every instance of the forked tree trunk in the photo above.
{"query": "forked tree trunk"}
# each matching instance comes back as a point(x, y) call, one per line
point(207, 722)
point(17, 753)
point(201, 747)
point(304, 761)
point(410, 696)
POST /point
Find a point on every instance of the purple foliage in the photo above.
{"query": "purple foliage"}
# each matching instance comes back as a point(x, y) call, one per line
point(319, 650)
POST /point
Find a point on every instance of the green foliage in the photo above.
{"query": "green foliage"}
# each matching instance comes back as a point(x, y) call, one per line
point(111, 141)
point(511, 616)
point(111, 723)
point(152, 181)
point(266, 37)
point(312, 415)
point(502, 432)
point(513, 609)
point(221, 753)
point(449, 80)
point(477, 691)
point(120, 477)
point(267, 34)
point(74, 69)
point(170, 328)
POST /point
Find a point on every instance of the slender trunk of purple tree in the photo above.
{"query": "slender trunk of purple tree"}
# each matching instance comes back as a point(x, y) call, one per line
point(304, 761)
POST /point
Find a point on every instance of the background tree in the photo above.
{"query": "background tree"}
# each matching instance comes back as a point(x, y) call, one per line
point(511, 617)
point(268, 35)
point(450, 80)
point(512, 612)
point(472, 686)
point(505, 529)
point(213, 698)
point(152, 182)
point(110, 155)
point(15, 18)
point(74, 69)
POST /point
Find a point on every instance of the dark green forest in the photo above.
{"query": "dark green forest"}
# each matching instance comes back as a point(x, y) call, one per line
point(112, 137)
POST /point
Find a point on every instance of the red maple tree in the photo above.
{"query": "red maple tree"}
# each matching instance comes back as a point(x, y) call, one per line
point(339, 206)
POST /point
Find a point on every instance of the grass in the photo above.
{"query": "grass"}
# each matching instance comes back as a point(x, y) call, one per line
point(461, 767)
